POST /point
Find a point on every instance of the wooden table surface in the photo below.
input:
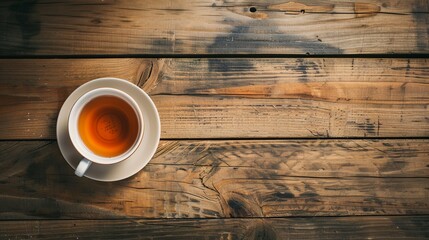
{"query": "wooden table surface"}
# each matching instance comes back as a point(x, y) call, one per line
point(280, 119)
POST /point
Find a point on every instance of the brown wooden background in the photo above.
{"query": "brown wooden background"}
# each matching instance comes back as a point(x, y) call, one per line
point(280, 119)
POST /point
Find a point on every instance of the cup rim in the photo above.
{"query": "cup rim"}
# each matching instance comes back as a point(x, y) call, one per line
point(73, 122)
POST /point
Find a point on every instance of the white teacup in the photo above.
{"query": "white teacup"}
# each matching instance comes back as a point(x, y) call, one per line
point(112, 139)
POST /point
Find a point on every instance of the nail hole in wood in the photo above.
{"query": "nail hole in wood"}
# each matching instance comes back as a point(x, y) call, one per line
point(302, 11)
point(252, 9)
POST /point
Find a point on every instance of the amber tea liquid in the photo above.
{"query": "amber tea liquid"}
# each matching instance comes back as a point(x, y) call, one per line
point(108, 126)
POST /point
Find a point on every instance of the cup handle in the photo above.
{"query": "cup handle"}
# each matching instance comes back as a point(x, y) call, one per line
point(82, 167)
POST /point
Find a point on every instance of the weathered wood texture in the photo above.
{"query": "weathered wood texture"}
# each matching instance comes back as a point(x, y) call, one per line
point(409, 227)
point(213, 27)
point(212, 179)
point(233, 98)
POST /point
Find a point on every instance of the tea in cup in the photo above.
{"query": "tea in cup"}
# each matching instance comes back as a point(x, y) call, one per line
point(105, 126)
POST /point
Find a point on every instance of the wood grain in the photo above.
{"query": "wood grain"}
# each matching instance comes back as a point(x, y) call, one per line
point(218, 179)
point(233, 98)
point(213, 27)
point(409, 227)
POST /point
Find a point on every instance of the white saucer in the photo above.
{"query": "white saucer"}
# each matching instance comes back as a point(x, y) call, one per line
point(143, 154)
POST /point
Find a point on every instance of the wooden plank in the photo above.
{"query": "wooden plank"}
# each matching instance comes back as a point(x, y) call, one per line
point(233, 98)
point(207, 27)
point(408, 227)
point(217, 179)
